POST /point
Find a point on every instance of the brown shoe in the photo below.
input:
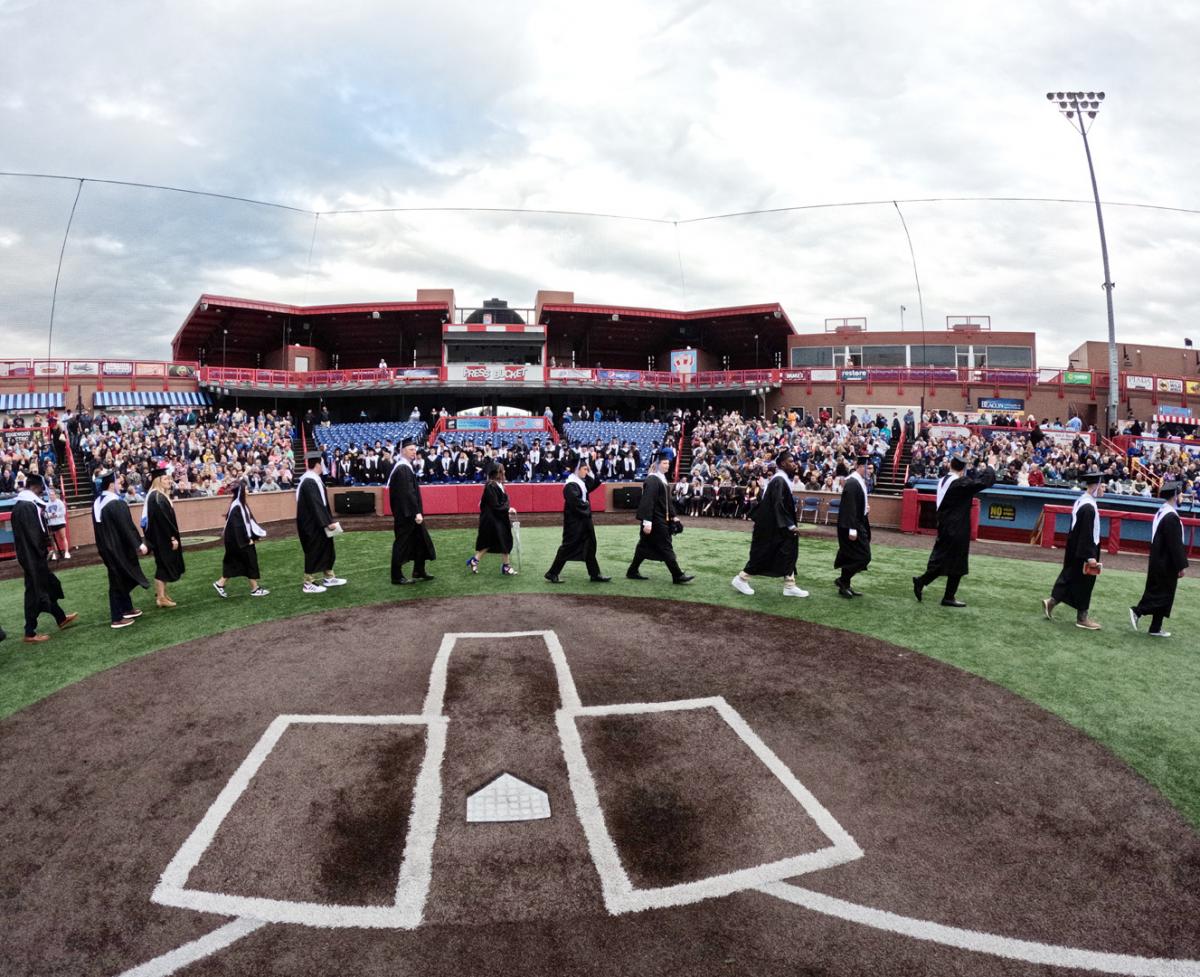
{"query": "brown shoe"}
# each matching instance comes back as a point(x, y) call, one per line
point(1087, 624)
point(35, 639)
point(67, 621)
point(164, 602)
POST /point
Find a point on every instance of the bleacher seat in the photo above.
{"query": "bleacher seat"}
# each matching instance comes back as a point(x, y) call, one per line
point(366, 433)
point(643, 434)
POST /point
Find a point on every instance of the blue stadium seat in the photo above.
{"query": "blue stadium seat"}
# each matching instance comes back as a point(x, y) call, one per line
point(367, 433)
point(643, 434)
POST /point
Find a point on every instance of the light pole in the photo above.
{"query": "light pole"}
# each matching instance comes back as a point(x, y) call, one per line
point(1079, 108)
point(224, 340)
point(902, 318)
point(756, 351)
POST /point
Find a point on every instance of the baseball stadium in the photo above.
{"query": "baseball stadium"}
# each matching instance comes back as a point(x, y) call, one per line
point(512, 766)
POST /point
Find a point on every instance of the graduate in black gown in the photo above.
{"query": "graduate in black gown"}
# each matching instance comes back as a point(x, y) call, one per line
point(579, 535)
point(949, 558)
point(853, 529)
point(314, 522)
point(412, 541)
point(162, 536)
point(120, 546)
point(1074, 586)
point(1168, 562)
point(242, 531)
point(656, 512)
point(774, 542)
point(32, 539)
point(495, 533)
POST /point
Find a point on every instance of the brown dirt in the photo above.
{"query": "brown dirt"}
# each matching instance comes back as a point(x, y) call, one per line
point(974, 808)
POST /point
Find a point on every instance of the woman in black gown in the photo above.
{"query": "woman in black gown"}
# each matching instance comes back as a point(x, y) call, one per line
point(495, 523)
point(241, 532)
point(162, 536)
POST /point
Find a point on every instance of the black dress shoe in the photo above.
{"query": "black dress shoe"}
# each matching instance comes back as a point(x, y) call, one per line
point(845, 592)
point(553, 577)
point(636, 576)
point(684, 578)
point(951, 602)
point(601, 579)
point(854, 593)
point(422, 576)
point(402, 581)
point(917, 588)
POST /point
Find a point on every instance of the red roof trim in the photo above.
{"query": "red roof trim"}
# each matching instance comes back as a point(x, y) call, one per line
point(674, 314)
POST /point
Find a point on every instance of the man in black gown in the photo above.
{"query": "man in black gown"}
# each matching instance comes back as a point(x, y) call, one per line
point(313, 523)
point(657, 515)
point(1168, 562)
point(774, 543)
point(579, 535)
point(949, 558)
point(1074, 584)
point(31, 539)
point(412, 540)
point(120, 546)
point(853, 529)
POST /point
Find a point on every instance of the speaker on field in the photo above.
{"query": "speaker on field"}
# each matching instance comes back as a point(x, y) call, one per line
point(354, 503)
point(627, 498)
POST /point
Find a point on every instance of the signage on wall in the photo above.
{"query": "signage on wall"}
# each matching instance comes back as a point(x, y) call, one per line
point(1001, 403)
point(793, 376)
point(1081, 377)
point(683, 361)
point(83, 368)
point(1169, 385)
point(569, 373)
point(854, 374)
point(1138, 382)
point(823, 376)
point(116, 368)
point(1002, 512)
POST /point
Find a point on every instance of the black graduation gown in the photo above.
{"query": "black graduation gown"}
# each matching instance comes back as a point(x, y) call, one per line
point(853, 554)
point(1168, 556)
point(657, 509)
point(773, 546)
point(312, 516)
point(118, 541)
point(30, 537)
point(241, 555)
point(949, 556)
point(161, 528)
point(412, 541)
point(1074, 587)
point(495, 524)
point(579, 535)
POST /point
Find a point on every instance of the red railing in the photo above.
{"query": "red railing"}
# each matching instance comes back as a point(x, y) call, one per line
point(46, 375)
point(899, 451)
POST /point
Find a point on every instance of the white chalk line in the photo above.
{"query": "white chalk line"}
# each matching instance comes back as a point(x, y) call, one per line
point(1028, 951)
point(189, 953)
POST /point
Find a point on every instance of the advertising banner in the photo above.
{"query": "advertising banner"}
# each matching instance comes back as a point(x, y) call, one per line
point(854, 374)
point(626, 376)
point(181, 370)
point(1169, 385)
point(949, 431)
point(1138, 383)
point(49, 368)
point(83, 368)
point(1079, 377)
point(569, 373)
point(469, 423)
point(15, 368)
point(416, 373)
point(684, 361)
point(1048, 376)
point(794, 376)
point(494, 373)
point(1192, 386)
point(1001, 403)
point(520, 424)
point(151, 369)
point(116, 368)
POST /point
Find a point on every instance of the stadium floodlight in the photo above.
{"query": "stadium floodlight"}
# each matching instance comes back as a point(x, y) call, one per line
point(1079, 109)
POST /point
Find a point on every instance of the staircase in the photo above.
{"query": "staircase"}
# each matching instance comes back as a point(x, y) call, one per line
point(298, 463)
point(683, 466)
point(83, 495)
point(889, 480)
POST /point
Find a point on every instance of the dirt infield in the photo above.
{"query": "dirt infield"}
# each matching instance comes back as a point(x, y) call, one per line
point(973, 809)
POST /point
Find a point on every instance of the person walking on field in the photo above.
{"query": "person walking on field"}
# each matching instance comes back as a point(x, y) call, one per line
point(162, 536)
point(411, 540)
point(316, 528)
point(30, 538)
point(495, 533)
point(853, 529)
point(579, 535)
point(1081, 558)
point(658, 519)
point(955, 496)
point(241, 533)
point(120, 546)
point(1168, 562)
point(774, 543)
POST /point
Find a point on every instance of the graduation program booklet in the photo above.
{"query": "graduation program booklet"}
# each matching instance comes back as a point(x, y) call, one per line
point(334, 529)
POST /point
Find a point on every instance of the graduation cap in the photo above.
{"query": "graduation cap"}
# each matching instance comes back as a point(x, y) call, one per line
point(958, 463)
point(862, 460)
point(1090, 478)
point(661, 456)
point(106, 480)
point(1168, 490)
point(406, 442)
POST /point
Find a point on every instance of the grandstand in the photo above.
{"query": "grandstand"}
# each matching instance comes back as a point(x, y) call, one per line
point(647, 436)
point(366, 433)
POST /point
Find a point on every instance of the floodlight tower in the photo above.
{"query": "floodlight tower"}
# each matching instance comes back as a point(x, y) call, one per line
point(1079, 109)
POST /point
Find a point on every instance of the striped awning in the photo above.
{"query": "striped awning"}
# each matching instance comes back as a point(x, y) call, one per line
point(151, 398)
point(1176, 419)
point(16, 403)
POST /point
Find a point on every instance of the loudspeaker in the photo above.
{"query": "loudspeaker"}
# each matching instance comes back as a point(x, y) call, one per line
point(354, 503)
point(627, 498)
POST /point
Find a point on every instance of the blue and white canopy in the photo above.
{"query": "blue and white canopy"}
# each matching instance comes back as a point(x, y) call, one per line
point(24, 403)
point(151, 398)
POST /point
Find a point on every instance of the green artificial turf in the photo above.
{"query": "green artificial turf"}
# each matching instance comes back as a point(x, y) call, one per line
point(1138, 695)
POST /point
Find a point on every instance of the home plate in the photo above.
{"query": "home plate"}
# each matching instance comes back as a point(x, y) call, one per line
point(508, 799)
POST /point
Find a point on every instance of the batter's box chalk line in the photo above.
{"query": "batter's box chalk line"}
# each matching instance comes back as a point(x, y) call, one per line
point(620, 895)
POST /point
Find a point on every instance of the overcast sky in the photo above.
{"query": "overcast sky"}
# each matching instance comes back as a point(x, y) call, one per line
point(663, 110)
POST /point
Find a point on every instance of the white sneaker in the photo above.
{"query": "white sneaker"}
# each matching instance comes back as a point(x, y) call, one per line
point(1133, 618)
point(312, 588)
point(740, 585)
point(259, 592)
point(66, 556)
point(332, 582)
point(794, 591)
point(1159, 634)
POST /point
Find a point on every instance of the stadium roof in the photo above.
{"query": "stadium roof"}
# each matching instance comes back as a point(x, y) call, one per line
point(356, 331)
point(623, 328)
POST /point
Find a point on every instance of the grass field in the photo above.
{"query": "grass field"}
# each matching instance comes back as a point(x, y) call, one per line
point(1137, 695)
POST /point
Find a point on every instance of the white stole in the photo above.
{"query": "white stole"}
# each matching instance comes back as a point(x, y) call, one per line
point(311, 476)
point(1087, 499)
point(573, 478)
point(100, 503)
point(1158, 517)
point(943, 486)
point(40, 507)
point(866, 496)
point(396, 467)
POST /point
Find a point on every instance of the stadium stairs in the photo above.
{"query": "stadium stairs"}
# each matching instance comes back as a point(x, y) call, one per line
point(889, 480)
point(78, 492)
